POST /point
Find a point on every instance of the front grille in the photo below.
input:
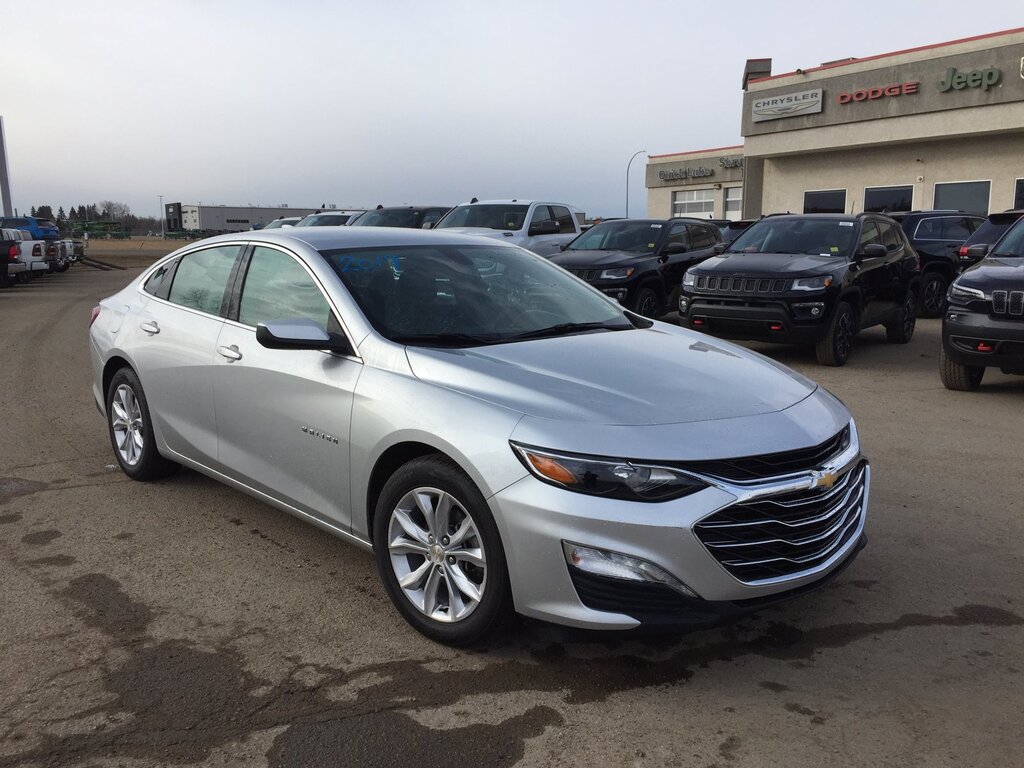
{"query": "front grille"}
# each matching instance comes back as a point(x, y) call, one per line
point(586, 274)
point(786, 534)
point(1008, 303)
point(744, 285)
point(746, 468)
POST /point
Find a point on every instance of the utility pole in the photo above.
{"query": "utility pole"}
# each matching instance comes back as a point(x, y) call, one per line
point(5, 179)
point(162, 216)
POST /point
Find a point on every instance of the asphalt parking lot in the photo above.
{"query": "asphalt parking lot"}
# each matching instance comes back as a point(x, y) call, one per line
point(184, 623)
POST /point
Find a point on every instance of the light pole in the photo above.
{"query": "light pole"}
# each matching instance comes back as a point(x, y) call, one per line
point(161, 216)
point(639, 152)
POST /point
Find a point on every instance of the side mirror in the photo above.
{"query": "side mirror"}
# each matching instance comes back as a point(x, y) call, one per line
point(873, 251)
point(563, 246)
point(427, 225)
point(299, 334)
point(718, 248)
point(972, 254)
point(543, 228)
point(675, 248)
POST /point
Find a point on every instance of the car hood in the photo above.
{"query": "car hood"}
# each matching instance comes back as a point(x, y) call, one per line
point(496, 234)
point(658, 375)
point(596, 258)
point(770, 264)
point(998, 272)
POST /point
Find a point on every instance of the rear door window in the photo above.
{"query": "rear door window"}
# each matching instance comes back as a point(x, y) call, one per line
point(202, 278)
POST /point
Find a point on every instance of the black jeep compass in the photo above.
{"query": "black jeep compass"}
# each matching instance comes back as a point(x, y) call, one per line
point(807, 279)
point(983, 326)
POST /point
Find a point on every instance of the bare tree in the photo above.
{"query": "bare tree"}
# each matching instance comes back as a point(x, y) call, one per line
point(113, 210)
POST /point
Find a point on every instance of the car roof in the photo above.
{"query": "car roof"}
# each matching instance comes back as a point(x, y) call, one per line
point(834, 216)
point(328, 238)
point(407, 208)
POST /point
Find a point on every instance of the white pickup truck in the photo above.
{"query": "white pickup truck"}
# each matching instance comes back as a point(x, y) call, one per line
point(538, 226)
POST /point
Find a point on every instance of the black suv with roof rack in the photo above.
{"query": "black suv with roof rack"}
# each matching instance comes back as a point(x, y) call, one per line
point(937, 237)
point(807, 279)
point(983, 326)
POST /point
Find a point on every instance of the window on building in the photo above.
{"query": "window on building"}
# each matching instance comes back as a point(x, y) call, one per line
point(734, 203)
point(1018, 194)
point(968, 196)
point(888, 199)
point(693, 202)
point(825, 201)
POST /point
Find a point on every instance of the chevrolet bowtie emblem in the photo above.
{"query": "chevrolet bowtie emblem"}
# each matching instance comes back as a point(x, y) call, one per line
point(824, 479)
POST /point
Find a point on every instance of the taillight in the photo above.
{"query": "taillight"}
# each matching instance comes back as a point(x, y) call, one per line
point(963, 250)
point(51, 250)
point(95, 314)
point(37, 251)
point(13, 253)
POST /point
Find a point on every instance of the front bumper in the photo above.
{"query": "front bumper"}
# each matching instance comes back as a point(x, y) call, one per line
point(772, 320)
point(536, 518)
point(963, 331)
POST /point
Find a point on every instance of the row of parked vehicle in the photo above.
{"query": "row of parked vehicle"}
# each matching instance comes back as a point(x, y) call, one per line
point(23, 257)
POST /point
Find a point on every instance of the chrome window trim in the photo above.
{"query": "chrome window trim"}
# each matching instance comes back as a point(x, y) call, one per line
point(928, 239)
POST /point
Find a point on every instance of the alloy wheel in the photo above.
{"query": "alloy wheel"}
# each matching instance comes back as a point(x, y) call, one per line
point(437, 555)
point(909, 314)
point(129, 427)
point(933, 297)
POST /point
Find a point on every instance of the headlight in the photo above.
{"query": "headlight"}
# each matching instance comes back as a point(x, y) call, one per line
point(621, 273)
point(689, 280)
point(964, 294)
point(608, 477)
point(816, 283)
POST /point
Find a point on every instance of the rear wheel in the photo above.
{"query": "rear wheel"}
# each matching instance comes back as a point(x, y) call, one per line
point(901, 329)
point(933, 294)
point(962, 378)
point(835, 348)
point(439, 553)
point(131, 430)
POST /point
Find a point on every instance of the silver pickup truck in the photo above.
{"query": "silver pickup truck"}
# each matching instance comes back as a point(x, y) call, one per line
point(538, 226)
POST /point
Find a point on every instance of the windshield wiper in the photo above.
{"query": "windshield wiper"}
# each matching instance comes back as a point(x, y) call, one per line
point(563, 329)
point(444, 340)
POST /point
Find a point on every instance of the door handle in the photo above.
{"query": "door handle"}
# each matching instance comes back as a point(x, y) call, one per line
point(231, 353)
point(150, 327)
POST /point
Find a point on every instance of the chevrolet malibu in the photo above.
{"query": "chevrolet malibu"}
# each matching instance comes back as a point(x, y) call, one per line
point(500, 435)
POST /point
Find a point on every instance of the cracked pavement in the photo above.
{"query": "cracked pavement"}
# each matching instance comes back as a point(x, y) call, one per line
point(183, 623)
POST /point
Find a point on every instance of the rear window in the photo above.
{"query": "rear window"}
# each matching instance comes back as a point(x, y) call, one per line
point(993, 228)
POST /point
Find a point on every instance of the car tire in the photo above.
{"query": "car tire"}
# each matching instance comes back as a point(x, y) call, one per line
point(646, 303)
point(901, 330)
point(130, 427)
point(834, 349)
point(960, 378)
point(431, 575)
point(933, 295)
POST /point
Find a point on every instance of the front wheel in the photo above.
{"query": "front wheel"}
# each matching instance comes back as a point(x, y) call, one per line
point(835, 348)
point(933, 294)
point(961, 378)
point(439, 553)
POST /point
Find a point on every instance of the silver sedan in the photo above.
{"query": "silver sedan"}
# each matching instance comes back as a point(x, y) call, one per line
point(500, 435)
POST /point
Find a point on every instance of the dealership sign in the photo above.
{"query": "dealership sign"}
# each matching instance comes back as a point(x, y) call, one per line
point(979, 78)
point(789, 105)
point(686, 173)
point(878, 92)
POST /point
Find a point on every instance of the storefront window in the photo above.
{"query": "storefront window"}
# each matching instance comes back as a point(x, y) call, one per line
point(888, 199)
point(690, 202)
point(968, 196)
point(734, 203)
point(825, 201)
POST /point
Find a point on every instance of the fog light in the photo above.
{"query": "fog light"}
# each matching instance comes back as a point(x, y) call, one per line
point(684, 303)
point(814, 310)
point(615, 565)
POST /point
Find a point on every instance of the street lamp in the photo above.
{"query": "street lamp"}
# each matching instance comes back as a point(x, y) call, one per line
point(161, 216)
point(639, 152)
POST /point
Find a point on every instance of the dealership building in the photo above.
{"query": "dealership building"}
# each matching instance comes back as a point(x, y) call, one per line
point(940, 126)
point(224, 218)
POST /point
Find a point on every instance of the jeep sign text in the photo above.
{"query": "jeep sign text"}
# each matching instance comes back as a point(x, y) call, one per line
point(979, 78)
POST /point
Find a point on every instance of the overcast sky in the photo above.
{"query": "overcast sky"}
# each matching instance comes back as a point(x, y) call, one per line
point(305, 102)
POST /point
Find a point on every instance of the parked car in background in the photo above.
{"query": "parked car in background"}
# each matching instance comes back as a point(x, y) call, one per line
point(540, 227)
point(730, 230)
point(983, 325)
point(987, 235)
point(522, 445)
point(284, 221)
point(39, 229)
point(329, 219)
point(807, 279)
point(11, 265)
point(405, 217)
point(937, 237)
point(639, 262)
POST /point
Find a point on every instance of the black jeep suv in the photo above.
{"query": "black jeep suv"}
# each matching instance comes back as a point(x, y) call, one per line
point(640, 262)
point(983, 326)
point(937, 237)
point(807, 279)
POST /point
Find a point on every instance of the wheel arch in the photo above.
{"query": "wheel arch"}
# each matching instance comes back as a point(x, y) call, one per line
point(115, 363)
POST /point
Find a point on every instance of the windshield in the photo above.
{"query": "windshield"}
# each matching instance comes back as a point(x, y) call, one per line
point(827, 237)
point(499, 216)
point(325, 220)
point(632, 236)
point(401, 217)
point(1013, 243)
point(469, 295)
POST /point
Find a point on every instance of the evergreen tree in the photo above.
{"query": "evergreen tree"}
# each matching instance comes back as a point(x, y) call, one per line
point(33, 211)
point(44, 212)
point(61, 216)
point(82, 213)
